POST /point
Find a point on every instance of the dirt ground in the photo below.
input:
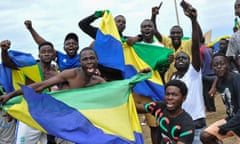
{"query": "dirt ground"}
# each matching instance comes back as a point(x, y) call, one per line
point(211, 117)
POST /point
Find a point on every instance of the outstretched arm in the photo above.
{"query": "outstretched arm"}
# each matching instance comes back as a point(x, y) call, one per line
point(192, 14)
point(85, 24)
point(39, 86)
point(155, 12)
point(37, 38)
point(200, 31)
point(188, 9)
point(196, 62)
point(6, 60)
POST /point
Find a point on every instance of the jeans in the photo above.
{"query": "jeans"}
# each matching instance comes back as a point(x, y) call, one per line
point(200, 125)
point(197, 133)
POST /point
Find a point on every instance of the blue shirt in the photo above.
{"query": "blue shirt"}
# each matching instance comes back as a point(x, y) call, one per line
point(66, 62)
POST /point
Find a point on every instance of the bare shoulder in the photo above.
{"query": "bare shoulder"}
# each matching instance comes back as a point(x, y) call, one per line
point(70, 72)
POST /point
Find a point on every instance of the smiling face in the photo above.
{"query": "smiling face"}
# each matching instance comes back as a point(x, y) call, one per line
point(176, 35)
point(89, 61)
point(220, 65)
point(71, 47)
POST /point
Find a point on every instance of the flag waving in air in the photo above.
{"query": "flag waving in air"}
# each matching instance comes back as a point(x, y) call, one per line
point(114, 53)
point(26, 67)
point(101, 114)
point(140, 56)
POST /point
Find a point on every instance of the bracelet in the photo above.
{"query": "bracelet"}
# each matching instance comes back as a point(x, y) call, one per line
point(146, 107)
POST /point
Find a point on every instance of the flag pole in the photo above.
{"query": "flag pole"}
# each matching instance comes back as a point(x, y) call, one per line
point(177, 17)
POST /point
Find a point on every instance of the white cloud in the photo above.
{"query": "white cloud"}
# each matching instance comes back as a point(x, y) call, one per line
point(54, 19)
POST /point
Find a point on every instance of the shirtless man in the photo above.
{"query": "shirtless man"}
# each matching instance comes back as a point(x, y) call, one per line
point(46, 55)
point(86, 75)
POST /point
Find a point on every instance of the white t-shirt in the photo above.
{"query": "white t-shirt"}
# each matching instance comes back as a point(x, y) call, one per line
point(156, 43)
point(194, 103)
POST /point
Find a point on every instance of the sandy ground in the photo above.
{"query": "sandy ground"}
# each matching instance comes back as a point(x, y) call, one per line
point(211, 117)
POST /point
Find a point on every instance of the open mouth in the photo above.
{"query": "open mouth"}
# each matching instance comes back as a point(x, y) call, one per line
point(170, 105)
point(181, 63)
point(176, 40)
point(91, 70)
point(71, 51)
point(147, 33)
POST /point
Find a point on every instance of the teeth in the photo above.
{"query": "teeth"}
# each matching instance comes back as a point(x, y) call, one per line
point(169, 105)
point(90, 70)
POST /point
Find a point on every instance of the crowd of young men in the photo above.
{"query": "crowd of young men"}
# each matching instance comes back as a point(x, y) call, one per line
point(183, 79)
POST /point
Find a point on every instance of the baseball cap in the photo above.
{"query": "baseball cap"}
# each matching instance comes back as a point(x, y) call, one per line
point(71, 36)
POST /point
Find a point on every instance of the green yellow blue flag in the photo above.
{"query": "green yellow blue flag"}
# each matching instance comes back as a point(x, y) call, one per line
point(114, 53)
point(26, 67)
point(101, 114)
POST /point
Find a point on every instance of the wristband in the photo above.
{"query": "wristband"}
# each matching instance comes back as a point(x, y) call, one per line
point(146, 107)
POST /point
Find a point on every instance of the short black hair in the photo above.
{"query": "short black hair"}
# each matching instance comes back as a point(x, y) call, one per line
point(119, 16)
point(45, 43)
point(146, 20)
point(224, 39)
point(176, 26)
point(183, 53)
point(87, 48)
point(71, 36)
point(222, 55)
point(219, 54)
point(180, 84)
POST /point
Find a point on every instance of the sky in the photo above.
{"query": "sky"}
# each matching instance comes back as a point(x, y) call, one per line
point(53, 19)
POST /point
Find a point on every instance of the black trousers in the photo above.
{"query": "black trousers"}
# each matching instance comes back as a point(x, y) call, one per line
point(207, 81)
